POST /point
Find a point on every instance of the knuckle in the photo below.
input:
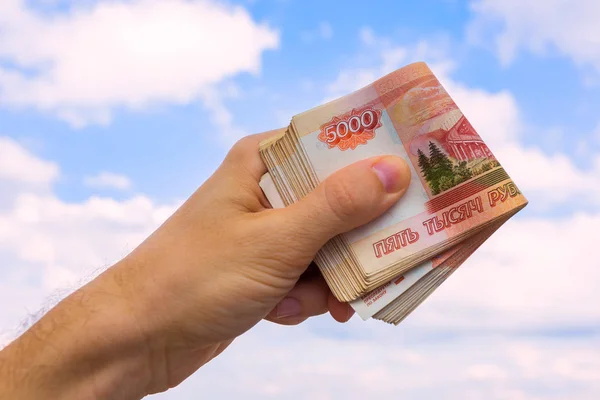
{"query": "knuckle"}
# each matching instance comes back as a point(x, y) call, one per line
point(246, 141)
point(242, 147)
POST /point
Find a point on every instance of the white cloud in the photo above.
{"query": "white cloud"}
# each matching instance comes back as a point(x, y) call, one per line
point(108, 180)
point(84, 64)
point(298, 363)
point(384, 57)
point(20, 172)
point(17, 164)
point(44, 229)
point(563, 26)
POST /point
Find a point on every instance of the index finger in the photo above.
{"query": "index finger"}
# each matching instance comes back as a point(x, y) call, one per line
point(244, 154)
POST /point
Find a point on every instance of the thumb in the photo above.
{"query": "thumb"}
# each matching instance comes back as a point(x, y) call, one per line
point(349, 198)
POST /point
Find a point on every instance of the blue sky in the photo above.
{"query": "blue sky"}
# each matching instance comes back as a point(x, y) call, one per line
point(102, 134)
point(550, 91)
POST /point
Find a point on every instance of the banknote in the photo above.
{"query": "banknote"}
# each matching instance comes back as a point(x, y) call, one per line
point(458, 187)
point(376, 302)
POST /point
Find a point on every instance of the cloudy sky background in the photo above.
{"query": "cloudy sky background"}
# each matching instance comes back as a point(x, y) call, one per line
point(113, 112)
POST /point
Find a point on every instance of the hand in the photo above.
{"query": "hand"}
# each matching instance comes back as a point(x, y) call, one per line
point(225, 260)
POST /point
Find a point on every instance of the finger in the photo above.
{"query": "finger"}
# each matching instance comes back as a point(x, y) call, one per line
point(341, 312)
point(309, 298)
point(349, 198)
point(244, 154)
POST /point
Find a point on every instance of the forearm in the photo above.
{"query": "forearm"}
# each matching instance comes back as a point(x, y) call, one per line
point(87, 347)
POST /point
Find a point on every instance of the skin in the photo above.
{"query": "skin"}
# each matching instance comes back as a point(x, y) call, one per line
point(220, 264)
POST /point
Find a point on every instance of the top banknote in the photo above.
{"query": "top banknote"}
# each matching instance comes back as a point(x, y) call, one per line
point(458, 187)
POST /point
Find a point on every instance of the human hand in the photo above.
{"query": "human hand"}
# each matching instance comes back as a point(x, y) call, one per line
point(225, 260)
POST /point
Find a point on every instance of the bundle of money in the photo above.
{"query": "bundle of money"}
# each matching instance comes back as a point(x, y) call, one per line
point(458, 196)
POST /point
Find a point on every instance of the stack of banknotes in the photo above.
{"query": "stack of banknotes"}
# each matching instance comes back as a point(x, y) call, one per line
point(458, 196)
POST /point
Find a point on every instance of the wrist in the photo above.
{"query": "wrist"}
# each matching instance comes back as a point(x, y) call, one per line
point(170, 311)
point(85, 348)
